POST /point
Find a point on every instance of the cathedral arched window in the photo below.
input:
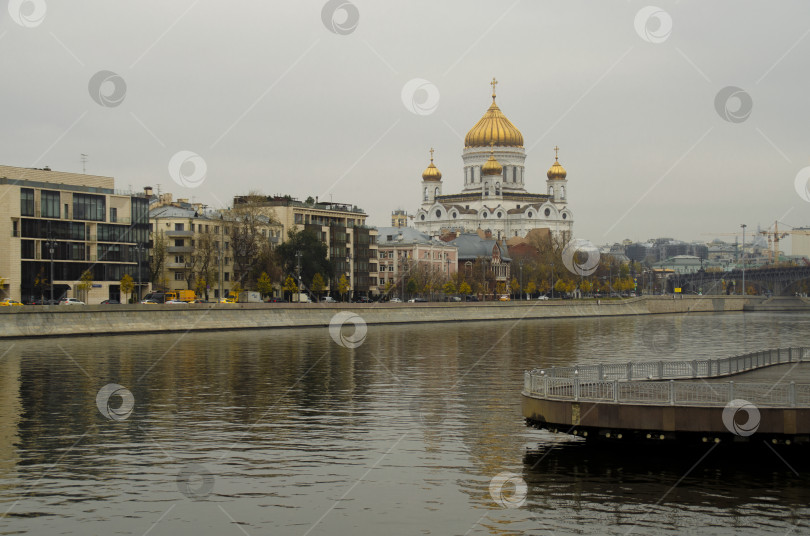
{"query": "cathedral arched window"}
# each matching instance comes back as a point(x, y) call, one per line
point(426, 194)
point(514, 174)
point(548, 212)
point(438, 213)
point(497, 188)
point(562, 192)
point(436, 191)
point(550, 190)
point(486, 188)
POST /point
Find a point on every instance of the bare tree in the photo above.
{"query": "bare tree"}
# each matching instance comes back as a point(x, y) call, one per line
point(158, 258)
point(205, 254)
point(244, 222)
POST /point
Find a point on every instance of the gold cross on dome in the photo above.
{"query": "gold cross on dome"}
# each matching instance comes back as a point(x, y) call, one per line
point(555, 152)
point(493, 84)
point(431, 154)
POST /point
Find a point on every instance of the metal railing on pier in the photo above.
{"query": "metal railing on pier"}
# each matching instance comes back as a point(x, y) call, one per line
point(653, 382)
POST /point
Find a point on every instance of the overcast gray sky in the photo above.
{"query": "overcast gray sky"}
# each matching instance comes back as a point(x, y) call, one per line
point(283, 98)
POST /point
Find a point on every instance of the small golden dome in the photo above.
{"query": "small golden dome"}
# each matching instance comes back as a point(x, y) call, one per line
point(494, 127)
point(491, 166)
point(431, 173)
point(556, 171)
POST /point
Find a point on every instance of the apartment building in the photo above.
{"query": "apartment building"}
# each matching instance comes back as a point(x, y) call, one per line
point(401, 247)
point(197, 245)
point(67, 224)
point(351, 244)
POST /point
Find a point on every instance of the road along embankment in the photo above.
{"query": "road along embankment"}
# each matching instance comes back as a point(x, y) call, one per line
point(57, 321)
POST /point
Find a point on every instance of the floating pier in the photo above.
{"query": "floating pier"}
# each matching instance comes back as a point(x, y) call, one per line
point(753, 397)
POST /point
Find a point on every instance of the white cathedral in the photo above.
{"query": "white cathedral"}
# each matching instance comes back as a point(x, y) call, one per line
point(494, 197)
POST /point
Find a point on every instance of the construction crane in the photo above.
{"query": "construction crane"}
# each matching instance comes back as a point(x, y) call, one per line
point(773, 241)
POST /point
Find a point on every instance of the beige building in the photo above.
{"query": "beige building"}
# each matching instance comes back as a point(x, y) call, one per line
point(399, 218)
point(197, 243)
point(351, 244)
point(68, 223)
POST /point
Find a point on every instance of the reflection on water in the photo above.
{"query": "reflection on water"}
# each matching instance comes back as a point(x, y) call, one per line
point(288, 432)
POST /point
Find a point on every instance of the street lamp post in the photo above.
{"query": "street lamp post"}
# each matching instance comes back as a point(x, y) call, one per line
point(139, 248)
point(743, 259)
point(51, 245)
point(298, 273)
point(552, 280)
point(521, 279)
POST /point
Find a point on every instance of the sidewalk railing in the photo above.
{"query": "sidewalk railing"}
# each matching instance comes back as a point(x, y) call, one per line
point(652, 382)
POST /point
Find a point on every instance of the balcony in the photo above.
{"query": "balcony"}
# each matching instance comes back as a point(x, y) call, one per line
point(180, 249)
point(179, 234)
point(176, 266)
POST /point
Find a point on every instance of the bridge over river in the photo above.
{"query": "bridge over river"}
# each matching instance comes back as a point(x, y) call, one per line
point(784, 281)
point(756, 396)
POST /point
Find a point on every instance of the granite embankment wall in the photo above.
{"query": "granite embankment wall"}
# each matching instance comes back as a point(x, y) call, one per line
point(39, 321)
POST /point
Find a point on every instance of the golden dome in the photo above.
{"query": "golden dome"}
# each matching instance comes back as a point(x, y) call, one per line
point(494, 127)
point(491, 166)
point(431, 173)
point(556, 171)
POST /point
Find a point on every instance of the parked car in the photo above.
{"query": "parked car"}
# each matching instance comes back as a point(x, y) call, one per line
point(227, 300)
point(470, 298)
point(150, 302)
point(455, 299)
point(9, 302)
point(505, 297)
point(71, 301)
point(362, 299)
point(417, 300)
point(542, 297)
point(40, 301)
point(275, 300)
point(111, 302)
point(176, 302)
point(395, 300)
point(329, 299)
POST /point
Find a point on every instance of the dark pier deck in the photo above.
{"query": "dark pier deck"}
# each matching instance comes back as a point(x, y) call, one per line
point(759, 396)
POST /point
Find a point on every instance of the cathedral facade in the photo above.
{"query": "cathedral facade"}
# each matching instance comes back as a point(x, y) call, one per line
point(494, 197)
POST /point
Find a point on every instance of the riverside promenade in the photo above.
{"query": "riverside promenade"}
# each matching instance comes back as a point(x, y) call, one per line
point(755, 396)
point(40, 321)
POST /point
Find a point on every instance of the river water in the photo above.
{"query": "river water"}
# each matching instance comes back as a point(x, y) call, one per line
point(288, 432)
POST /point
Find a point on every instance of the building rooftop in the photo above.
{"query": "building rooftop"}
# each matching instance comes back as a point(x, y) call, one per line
point(399, 236)
point(471, 246)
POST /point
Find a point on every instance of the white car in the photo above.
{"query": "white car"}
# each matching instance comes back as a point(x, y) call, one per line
point(542, 297)
point(395, 300)
point(329, 299)
point(70, 301)
point(176, 302)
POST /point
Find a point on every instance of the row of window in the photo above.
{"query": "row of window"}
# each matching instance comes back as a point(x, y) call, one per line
point(85, 206)
point(205, 228)
point(72, 271)
point(181, 276)
point(470, 174)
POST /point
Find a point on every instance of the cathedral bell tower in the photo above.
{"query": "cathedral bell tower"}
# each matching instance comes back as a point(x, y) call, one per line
point(556, 183)
point(431, 183)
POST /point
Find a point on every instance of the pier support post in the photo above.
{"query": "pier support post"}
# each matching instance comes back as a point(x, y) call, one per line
point(629, 371)
point(615, 391)
point(694, 368)
point(792, 394)
point(671, 392)
point(661, 370)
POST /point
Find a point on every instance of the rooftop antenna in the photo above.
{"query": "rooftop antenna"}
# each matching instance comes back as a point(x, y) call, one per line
point(158, 188)
point(84, 163)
